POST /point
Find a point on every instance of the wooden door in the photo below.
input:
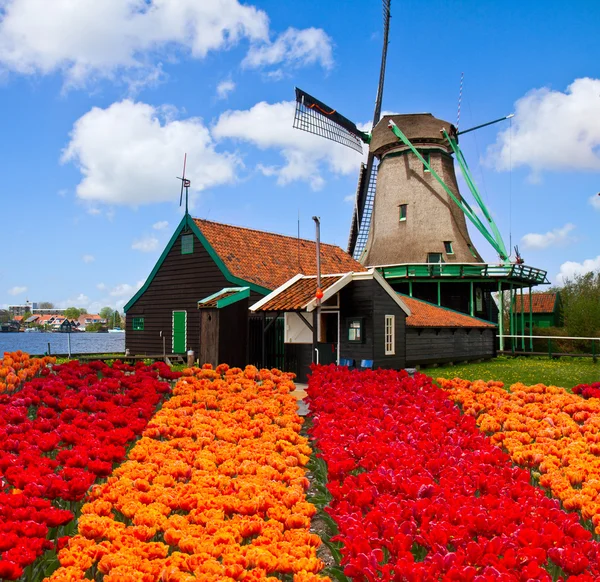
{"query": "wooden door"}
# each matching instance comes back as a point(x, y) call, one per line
point(179, 340)
point(209, 337)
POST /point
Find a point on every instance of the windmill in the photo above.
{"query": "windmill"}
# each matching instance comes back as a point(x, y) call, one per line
point(408, 207)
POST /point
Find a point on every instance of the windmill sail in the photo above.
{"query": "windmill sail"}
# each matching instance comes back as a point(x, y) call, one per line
point(362, 193)
point(359, 231)
point(315, 117)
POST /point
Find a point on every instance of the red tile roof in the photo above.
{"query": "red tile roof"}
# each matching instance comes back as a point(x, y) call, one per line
point(299, 294)
point(424, 314)
point(18, 318)
point(541, 302)
point(269, 259)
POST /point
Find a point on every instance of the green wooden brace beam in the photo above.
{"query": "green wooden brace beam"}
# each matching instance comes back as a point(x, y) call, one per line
point(460, 203)
point(471, 184)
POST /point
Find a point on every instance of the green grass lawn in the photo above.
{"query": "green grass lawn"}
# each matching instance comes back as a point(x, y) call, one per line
point(565, 372)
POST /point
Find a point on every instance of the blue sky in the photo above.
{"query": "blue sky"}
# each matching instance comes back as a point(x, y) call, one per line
point(100, 100)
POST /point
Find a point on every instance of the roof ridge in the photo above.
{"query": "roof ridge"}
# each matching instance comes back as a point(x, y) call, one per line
point(295, 238)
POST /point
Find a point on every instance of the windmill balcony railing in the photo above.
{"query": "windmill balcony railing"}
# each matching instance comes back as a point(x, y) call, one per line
point(464, 270)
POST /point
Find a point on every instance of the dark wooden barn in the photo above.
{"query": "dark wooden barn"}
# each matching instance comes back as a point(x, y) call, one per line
point(362, 321)
point(203, 258)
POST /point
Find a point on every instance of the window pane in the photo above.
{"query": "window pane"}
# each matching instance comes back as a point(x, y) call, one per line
point(448, 247)
point(403, 209)
point(138, 324)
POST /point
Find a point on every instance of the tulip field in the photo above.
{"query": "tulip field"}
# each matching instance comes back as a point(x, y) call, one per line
point(138, 473)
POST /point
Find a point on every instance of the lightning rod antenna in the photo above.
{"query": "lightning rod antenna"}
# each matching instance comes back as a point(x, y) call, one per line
point(460, 92)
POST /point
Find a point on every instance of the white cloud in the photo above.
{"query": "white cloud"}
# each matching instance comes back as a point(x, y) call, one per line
point(130, 153)
point(552, 130)
point(595, 201)
point(293, 48)
point(146, 244)
point(125, 290)
point(17, 290)
point(161, 225)
point(553, 238)
point(88, 258)
point(270, 126)
point(570, 269)
point(62, 192)
point(87, 38)
point(350, 198)
point(101, 286)
point(94, 211)
point(224, 88)
point(81, 300)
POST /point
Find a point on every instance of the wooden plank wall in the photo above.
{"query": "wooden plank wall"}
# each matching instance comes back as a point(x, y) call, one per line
point(428, 346)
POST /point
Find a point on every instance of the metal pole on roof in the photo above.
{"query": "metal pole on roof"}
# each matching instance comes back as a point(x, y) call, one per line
point(318, 294)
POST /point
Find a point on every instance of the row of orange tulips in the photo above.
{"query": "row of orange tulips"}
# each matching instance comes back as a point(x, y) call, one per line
point(547, 429)
point(214, 490)
point(18, 367)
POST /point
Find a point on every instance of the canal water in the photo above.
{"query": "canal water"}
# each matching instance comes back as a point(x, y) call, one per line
point(81, 343)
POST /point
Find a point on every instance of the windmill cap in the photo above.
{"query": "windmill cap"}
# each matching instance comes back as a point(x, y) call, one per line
point(419, 128)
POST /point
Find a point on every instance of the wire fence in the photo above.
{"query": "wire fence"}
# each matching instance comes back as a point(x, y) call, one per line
point(553, 346)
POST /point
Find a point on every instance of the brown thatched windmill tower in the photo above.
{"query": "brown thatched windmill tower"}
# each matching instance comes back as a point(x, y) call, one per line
point(413, 219)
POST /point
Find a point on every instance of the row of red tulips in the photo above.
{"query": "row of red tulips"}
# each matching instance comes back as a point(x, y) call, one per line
point(588, 390)
point(420, 494)
point(59, 434)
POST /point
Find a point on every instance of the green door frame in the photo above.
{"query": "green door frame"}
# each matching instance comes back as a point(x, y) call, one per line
point(176, 331)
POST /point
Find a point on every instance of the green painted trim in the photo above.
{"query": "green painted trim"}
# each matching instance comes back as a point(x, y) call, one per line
point(460, 158)
point(220, 292)
point(188, 221)
point(244, 293)
point(448, 309)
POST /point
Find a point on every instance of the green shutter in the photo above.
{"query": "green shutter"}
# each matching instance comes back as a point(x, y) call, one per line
point(187, 244)
point(179, 332)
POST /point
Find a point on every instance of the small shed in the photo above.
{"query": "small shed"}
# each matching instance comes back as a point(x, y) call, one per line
point(543, 309)
point(362, 321)
point(436, 335)
point(224, 327)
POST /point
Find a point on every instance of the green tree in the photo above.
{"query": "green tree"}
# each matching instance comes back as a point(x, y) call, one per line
point(107, 314)
point(4, 315)
point(116, 321)
point(581, 304)
point(72, 313)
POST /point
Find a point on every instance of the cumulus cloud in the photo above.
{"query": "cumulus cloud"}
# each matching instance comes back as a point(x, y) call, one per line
point(17, 290)
point(595, 201)
point(130, 153)
point(224, 88)
point(88, 258)
point(160, 225)
point(552, 130)
point(125, 289)
point(101, 286)
point(570, 269)
point(88, 38)
point(293, 48)
point(146, 244)
point(80, 300)
point(269, 126)
point(553, 238)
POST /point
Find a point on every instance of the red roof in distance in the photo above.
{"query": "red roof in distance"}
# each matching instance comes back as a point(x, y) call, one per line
point(541, 302)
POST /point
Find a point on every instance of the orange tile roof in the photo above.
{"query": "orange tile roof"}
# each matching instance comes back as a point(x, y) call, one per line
point(299, 294)
point(541, 302)
point(18, 318)
point(204, 304)
point(424, 314)
point(269, 259)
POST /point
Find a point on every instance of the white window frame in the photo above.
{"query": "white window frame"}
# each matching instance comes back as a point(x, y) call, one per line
point(389, 335)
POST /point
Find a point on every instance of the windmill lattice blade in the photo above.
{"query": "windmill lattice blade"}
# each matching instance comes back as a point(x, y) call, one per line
point(365, 219)
point(355, 226)
point(315, 117)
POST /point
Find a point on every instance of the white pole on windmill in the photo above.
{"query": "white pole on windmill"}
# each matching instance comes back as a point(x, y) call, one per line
point(318, 293)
